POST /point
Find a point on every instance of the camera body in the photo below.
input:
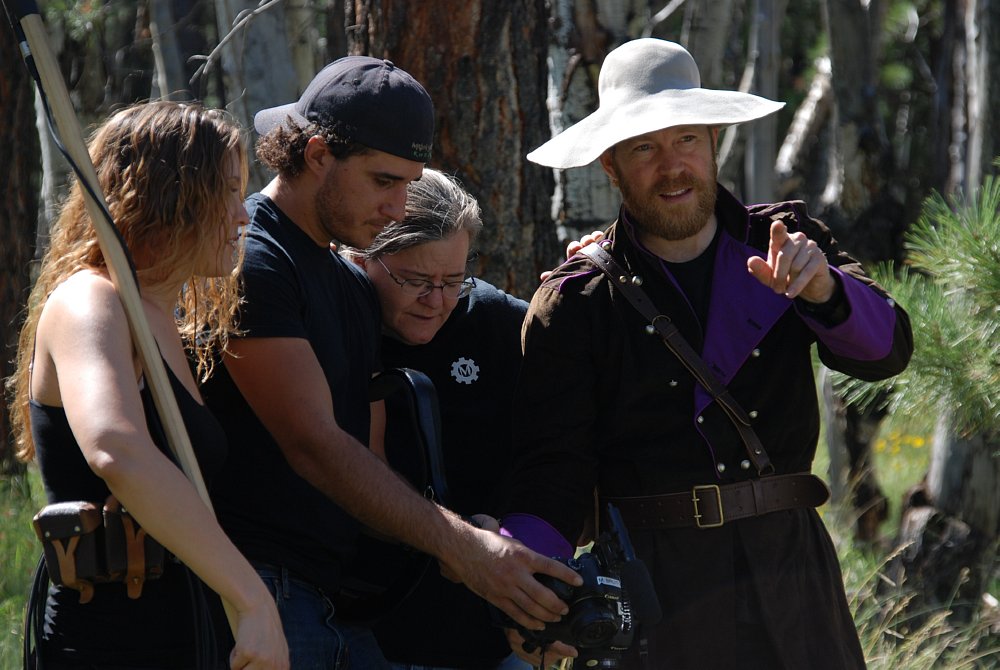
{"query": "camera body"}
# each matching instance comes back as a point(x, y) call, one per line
point(601, 620)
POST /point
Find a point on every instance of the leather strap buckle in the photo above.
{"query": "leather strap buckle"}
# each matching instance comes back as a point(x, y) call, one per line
point(718, 501)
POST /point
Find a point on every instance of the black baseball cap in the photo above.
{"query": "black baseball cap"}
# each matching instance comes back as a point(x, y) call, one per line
point(365, 100)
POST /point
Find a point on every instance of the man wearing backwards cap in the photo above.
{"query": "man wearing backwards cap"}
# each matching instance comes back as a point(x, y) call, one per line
point(745, 573)
point(293, 391)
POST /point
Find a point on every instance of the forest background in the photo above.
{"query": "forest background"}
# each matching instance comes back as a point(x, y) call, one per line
point(888, 104)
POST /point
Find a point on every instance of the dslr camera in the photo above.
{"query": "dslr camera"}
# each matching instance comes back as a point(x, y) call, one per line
point(616, 594)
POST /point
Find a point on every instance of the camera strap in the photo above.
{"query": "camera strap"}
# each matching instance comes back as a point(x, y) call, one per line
point(675, 342)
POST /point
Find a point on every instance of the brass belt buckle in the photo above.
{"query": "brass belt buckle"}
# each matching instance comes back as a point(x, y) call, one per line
point(718, 500)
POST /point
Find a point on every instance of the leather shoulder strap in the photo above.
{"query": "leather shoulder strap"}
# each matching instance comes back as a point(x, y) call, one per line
point(672, 338)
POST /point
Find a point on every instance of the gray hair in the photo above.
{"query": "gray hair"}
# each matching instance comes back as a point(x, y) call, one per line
point(437, 207)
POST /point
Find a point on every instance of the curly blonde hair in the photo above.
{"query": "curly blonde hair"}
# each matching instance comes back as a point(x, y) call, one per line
point(161, 167)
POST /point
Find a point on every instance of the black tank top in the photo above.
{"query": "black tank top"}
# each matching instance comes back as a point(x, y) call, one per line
point(157, 630)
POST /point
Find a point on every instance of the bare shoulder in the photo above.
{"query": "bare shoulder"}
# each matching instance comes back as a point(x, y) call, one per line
point(81, 324)
point(81, 313)
point(85, 297)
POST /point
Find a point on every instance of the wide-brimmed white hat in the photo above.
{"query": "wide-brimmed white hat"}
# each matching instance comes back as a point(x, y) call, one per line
point(647, 85)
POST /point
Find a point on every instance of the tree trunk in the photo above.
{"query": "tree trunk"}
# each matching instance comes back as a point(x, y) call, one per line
point(19, 156)
point(707, 32)
point(581, 37)
point(950, 527)
point(747, 153)
point(761, 144)
point(300, 24)
point(811, 116)
point(257, 65)
point(483, 64)
point(850, 436)
point(982, 51)
point(989, 25)
point(336, 30)
point(963, 477)
point(862, 146)
point(859, 204)
point(170, 82)
point(865, 218)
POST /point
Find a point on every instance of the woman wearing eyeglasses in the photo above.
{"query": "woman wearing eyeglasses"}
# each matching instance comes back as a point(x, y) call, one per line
point(464, 334)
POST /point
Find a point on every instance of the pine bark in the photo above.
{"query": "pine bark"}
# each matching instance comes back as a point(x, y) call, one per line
point(483, 64)
point(19, 203)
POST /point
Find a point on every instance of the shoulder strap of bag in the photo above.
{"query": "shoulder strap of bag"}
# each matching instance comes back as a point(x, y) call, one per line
point(672, 338)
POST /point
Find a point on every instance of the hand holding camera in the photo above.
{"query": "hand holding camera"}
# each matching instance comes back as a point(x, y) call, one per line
point(615, 596)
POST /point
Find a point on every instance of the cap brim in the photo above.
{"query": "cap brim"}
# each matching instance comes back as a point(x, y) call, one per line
point(267, 120)
point(583, 142)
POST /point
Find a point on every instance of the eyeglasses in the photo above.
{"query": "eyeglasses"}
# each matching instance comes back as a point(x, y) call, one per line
point(421, 287)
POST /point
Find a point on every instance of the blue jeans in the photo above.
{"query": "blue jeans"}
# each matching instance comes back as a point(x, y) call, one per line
point(315, 640)
point(512, 662)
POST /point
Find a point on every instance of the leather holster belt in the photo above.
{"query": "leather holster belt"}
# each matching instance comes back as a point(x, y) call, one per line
point(712, 505)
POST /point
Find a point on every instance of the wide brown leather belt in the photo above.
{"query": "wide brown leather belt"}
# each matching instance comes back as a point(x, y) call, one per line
point(712, 505)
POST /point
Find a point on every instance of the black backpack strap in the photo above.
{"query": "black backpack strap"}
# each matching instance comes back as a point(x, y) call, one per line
point(385, 572)
point(414, 400)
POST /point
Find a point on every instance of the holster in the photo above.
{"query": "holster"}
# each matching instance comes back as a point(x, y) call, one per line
point(84, 545)
point(132, 555)
point(72, 539)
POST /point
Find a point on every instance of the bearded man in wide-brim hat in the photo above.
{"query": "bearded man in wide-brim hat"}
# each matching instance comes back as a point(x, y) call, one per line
point(711, 476)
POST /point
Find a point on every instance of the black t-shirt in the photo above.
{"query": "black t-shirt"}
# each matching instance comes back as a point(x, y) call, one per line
point(295, 288)
point(473, 361)
point(694, 278)
point(157, 630)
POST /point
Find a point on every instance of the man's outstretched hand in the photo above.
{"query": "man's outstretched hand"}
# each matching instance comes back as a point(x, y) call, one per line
point(795, 266)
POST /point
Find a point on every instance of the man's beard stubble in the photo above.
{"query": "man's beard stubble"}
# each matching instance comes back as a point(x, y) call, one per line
point(329, 203)
point(651, 217)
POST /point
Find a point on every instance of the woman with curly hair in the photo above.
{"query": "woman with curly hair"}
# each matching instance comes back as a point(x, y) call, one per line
point(173, 175)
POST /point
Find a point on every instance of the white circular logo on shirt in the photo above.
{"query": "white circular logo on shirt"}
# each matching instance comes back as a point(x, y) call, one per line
point(465, 371)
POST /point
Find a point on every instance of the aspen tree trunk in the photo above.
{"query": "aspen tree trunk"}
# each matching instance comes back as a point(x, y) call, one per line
point(257, 64)
point(300, 24)
point(762, 141)
point(707, 33)
point(581, 37)
point(170, 81)
point(867, 220)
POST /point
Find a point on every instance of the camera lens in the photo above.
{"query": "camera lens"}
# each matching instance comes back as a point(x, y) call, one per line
point(593, 626)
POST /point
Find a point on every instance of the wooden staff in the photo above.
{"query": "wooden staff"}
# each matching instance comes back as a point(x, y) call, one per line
point(34, 47)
